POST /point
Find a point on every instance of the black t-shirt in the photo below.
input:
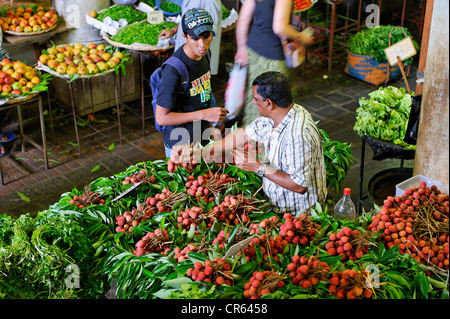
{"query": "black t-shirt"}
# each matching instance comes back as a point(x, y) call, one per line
point(261, 38)
point(197, 97)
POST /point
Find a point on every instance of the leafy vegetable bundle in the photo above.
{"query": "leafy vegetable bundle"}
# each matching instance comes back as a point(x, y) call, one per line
point(170, 7)
point(144, 33)
point(385, 115)
point(374, 40)
point(338, 159)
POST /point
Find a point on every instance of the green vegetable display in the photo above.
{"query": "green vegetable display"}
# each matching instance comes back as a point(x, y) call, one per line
point(385, 115)
point(121, 11)
point(338, 159)
point(225, 12)
point(143, 33)
point(170, 7)
point(151, 3)
point(374, 40)
point(81, 229)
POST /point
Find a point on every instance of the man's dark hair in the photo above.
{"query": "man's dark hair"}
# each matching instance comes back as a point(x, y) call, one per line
point(275, 86)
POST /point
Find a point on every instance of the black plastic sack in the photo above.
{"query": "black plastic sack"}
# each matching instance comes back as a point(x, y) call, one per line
point(413, 122)
point(383, 150)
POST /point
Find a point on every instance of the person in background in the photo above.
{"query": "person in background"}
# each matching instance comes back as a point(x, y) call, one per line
point(260, 29)
point(214, 7)
point(189, 114)
point(293, 167)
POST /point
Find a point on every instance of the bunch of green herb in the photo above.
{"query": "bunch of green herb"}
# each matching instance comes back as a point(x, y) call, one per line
point(121, 11)
point(225, 12)
point(338, 159)
point(170, 7)
point(151, 3)
point(374, 40)
point(143, 33)
point(385, 115)
point(40, 257)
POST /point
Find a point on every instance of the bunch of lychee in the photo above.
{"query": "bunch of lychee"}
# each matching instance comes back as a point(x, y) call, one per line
point(216, 271)
point(153, 242)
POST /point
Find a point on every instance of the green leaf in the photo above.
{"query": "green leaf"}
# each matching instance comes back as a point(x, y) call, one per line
point(95, 168)
point(24, 197)
point(111, 147)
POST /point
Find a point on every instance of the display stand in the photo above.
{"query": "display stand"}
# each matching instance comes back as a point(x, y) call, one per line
point(328, 52)
point(141, 50)
point(142, 115)
point(73, 87)
point(24, 137)
point(398, 153)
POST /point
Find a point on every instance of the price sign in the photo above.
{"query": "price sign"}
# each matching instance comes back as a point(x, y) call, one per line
point(155, 17)
point(403, 49)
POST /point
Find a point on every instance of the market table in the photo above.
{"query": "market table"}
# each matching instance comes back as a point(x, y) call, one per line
point(141, 50)
point(18, 104)
point(72, 90)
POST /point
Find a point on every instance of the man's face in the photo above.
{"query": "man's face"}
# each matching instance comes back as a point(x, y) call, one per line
point(196, 48)
point(259, 102)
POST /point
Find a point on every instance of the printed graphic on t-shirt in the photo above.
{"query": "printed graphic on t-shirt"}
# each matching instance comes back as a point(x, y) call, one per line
point(202, 86)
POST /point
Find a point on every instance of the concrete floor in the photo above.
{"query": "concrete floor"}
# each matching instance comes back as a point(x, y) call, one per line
point(331, 99)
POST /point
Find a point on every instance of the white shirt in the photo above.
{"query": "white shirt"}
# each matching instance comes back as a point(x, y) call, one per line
point(295, 148)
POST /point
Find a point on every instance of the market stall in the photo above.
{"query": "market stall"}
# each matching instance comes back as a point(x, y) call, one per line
point(207, 231)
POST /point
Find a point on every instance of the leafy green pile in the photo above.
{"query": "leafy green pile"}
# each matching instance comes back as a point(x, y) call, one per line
point(46, 257)
point(374, 40)
point(121, 11)
point(385, 115)
point(151, 3)
point(143, 33)
point(225, 12)
point(338, 159)
point(170, 7)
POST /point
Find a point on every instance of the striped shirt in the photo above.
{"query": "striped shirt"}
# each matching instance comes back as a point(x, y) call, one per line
point(295, 148)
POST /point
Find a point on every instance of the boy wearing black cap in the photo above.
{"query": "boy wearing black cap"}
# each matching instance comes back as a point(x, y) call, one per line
point(188, 114)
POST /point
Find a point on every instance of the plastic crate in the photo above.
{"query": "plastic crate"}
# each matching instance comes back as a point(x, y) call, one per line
point(170, 14)
point(414, 182)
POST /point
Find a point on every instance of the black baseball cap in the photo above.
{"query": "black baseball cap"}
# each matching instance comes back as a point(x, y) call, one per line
point(196, 22)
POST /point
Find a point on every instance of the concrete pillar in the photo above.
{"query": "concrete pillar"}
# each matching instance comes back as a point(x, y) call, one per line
point(432, 152)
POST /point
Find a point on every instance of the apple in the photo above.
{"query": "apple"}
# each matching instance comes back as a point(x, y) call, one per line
point(16, 86)
point(16, 75)
point(18, 92)
point(29, 75)
point(92, 13)
point(6, 88)
point(7, 67)
point(5, 61)
point(2, 81)
point(118, 55)
point(43, 58)
point(106, 56)
point(102, 66)
point(61, 69)
point(92, 68)
point(97, 59)
point(23, 81)
point(36, 80)
point(71, 70)
point(82, 70)
point(8, 80)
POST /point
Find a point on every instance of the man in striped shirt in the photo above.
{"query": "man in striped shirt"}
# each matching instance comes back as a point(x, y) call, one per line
point(293, 167)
